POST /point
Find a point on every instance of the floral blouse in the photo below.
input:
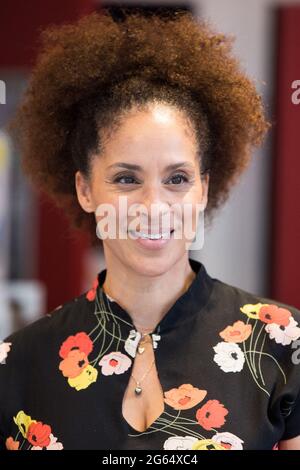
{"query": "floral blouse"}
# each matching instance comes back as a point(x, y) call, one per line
point(227, 360)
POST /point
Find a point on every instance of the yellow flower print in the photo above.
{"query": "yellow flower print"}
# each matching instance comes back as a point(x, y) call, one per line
point(207, 444)
point(251, 310)
point(23, 422)
point(82, 381)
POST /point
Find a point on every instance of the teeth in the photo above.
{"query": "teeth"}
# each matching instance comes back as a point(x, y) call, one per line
point(155, 236)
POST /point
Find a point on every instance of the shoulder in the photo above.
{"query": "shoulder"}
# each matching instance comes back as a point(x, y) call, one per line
point(244, 305)
point(50, 328)
point(30, 357)
point(264, 336)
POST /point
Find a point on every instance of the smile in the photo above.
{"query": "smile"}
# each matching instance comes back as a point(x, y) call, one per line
point(154, 236)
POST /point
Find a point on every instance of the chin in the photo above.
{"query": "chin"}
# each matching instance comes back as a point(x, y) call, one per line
point(154, 265)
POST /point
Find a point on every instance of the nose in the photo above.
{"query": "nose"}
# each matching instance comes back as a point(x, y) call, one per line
point(152, 195)
point(155, 208)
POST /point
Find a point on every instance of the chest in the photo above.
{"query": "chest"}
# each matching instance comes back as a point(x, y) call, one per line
point(186, 397)
point(143, 400)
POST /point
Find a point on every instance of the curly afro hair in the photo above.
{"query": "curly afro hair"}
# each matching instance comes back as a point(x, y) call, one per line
point(89, 73)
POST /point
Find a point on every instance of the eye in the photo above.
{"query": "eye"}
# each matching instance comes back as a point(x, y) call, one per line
point(128, 179)
point(178, 177)
point(176, 180)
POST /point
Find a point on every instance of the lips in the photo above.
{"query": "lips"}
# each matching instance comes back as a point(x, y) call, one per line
point(153, 235)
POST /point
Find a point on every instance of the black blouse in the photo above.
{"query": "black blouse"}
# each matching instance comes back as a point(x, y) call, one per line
point(227, 360)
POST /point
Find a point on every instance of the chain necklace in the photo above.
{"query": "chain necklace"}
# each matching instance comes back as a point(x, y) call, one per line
point(141, 349)
point(138, 389)
point(143, 341)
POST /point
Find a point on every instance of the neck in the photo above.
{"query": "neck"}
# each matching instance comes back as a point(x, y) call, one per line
point(147, 298)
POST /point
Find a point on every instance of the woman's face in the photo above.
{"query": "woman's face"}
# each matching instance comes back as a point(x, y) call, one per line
point(135, 168)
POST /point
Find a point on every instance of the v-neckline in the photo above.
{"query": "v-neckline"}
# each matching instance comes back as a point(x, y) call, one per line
point(190, 303)
point(148, 430)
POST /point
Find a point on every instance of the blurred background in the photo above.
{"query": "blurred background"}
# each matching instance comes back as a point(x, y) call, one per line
point(254, 240)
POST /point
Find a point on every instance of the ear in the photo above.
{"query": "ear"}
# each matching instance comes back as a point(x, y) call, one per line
point(83, 191)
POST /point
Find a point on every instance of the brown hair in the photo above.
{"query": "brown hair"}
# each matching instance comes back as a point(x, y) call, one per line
point(90, 72)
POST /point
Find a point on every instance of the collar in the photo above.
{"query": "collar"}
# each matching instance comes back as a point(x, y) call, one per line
point(189, 304)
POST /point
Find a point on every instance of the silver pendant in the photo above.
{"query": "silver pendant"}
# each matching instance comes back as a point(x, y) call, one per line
point(141, 350)
point(138, 390)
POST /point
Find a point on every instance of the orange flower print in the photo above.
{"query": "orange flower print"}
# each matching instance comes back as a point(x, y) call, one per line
point(237, 333)
point(184, 397)
point(251, 310)
point(53, 445)
point(74, 363)
point(274, 314)
point(85, 379)
point(80, 341)
point(211, 415)
point(11, 444)
point(39, 434)
point(91, 294)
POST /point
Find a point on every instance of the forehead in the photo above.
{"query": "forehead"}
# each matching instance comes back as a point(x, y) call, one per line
point(160, 129)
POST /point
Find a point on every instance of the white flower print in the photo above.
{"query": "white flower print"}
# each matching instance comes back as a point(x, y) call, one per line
point(132, 342)
point(114, 363)
point(155, 339)
point(284, 334)
point(54, 445)
point(229, 357)
point(4, 350)
point(180, 443)
point(228, 440)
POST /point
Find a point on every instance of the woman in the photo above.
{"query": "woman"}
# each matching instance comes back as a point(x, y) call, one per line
point(114, 114)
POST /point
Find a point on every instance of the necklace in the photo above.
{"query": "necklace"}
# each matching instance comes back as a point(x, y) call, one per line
point(144, 340)
point(138, 389)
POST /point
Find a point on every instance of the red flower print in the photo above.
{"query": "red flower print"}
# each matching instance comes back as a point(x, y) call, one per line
point(211, 415)
point(80, 341)
point(39, 434)
point(11, 444)
point(74, 363)
point(91, 294)
point(274, 314)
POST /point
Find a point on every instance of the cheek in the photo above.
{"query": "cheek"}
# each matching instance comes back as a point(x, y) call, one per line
point(115, 212)
point(106, 212)
point(192, 200)
point(188, 216)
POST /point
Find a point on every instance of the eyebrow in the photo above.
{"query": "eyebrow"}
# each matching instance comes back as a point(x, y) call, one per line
point(130, 166)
